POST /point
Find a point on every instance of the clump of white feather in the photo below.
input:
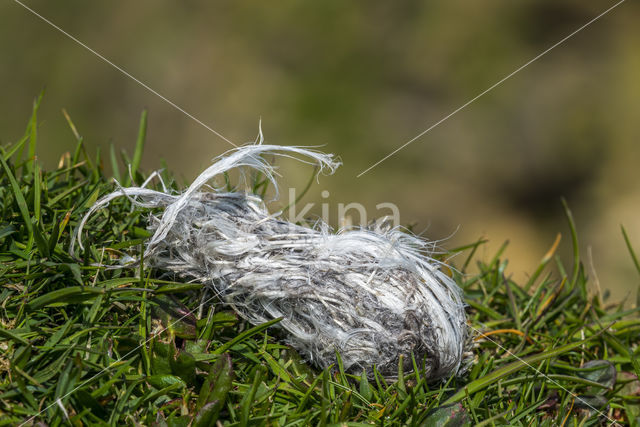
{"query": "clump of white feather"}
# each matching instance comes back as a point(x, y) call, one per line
point(370, 294)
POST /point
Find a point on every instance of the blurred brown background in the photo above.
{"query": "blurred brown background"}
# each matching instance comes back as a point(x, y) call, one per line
point(361, 78)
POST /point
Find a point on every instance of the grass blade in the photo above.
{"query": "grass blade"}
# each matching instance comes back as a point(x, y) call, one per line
point(627, 241)
point(17, 194)
point(33, 132)
point(244, 335)
point(500, 373)
point(574, 244)
point(142, 135)
point(115, 169)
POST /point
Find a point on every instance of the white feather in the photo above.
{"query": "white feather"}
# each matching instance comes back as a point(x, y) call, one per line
point(371, 294)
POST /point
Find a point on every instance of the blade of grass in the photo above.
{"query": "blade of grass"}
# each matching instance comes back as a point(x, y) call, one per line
point(37, 184)
point(17, 146)
point(543, 262)
point(17, 194)
point(9, 335)
point(80, 142)
point(574, 244)
point(115, 169)
point(304, 190)
point(244, 335)
point(33, 133)
point(500, 373)
point(137, 154)
point(627, 241)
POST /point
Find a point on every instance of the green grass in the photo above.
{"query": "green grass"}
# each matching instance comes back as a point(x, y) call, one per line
point(84, 345)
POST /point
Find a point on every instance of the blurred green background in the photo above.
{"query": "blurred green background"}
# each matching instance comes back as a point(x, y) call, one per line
point(361, 78)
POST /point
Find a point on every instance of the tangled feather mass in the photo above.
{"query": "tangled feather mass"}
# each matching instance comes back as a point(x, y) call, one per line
point(371, 294)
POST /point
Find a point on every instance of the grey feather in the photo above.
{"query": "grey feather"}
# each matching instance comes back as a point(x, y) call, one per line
point(371, 294)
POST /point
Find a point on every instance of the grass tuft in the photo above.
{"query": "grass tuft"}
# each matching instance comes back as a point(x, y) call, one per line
point(84, 345)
